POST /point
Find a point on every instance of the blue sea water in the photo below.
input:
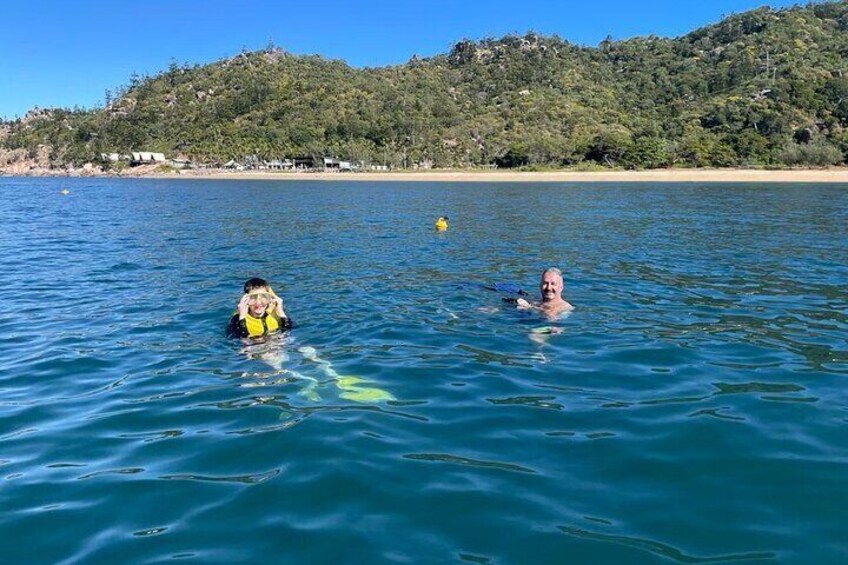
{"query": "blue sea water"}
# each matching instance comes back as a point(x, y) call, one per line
point(693, 409)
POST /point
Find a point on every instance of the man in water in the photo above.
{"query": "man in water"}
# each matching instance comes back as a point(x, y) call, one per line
point(550, 287)
point(259, 312)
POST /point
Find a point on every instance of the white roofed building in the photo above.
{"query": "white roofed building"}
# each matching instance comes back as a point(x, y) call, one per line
point(147, 157)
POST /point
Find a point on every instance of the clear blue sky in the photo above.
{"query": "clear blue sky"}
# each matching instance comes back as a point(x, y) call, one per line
point(68, 52)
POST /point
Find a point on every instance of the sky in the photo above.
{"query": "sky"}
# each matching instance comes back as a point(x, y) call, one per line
point(67, 53)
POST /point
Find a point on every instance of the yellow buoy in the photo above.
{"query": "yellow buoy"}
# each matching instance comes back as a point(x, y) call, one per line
point(442, 223)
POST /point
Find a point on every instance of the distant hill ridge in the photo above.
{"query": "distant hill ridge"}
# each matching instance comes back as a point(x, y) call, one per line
point(761, 88)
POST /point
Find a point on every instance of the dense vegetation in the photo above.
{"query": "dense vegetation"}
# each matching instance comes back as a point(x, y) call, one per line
point(762, 88)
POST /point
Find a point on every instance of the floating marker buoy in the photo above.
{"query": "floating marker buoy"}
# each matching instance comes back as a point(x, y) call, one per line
point(64, 192)
point(442, 223)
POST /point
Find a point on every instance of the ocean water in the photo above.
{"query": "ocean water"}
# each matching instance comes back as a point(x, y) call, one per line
point(694, 407)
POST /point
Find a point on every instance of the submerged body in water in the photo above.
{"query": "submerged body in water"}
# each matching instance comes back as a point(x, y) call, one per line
point(274, 352)
point(550, 287)
point(260, 321)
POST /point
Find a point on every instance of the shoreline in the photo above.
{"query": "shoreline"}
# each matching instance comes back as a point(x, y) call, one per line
point(832, 175)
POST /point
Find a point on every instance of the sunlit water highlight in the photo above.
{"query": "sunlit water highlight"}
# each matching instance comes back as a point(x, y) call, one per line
point(694, 408)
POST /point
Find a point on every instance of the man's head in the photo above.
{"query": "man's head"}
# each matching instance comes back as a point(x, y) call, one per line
point(550, 285)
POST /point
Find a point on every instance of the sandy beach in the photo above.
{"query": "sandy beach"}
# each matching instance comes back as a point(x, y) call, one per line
point(835, 175)
point(831, 175)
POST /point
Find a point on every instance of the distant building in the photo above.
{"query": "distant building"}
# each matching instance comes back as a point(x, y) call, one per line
point(337, 164)
point(280, 165)
point(114, 157)
point(253, 163)
point(303, 163)
point(231, 164)
point(146, 158)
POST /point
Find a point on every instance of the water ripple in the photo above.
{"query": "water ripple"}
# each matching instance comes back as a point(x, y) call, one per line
point(702, 373)
point(126, 471)
point(445, 458)
point(662, 549)
point(250, 479)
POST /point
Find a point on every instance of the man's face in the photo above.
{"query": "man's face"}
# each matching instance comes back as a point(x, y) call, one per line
point(550, 287)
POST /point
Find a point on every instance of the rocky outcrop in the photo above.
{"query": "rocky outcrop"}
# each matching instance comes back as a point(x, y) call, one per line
point(122, 107)
point(9, 157)
point(20, 162)
point(36, 114)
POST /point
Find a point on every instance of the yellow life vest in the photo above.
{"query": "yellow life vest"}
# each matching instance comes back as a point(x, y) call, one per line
point(441, 224)
point(257, 327)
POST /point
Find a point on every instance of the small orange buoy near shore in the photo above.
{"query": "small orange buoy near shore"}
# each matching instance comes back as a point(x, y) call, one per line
point(64, 192)
point(442, 223)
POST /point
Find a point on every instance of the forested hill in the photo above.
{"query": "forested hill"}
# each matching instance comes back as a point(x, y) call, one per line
point(762, 88)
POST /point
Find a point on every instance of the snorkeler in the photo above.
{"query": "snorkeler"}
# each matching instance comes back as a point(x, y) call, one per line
point(550, 287)
point(259, 312)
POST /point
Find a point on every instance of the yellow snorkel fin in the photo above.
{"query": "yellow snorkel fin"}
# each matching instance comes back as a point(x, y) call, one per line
point(352, 390)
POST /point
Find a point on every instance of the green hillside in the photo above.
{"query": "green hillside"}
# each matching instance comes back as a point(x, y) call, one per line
point(762, 88)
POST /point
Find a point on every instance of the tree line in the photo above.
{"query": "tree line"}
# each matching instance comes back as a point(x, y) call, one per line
point(765, 88)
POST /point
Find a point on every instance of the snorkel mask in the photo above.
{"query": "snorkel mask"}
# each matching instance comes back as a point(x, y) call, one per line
point(255, 298)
